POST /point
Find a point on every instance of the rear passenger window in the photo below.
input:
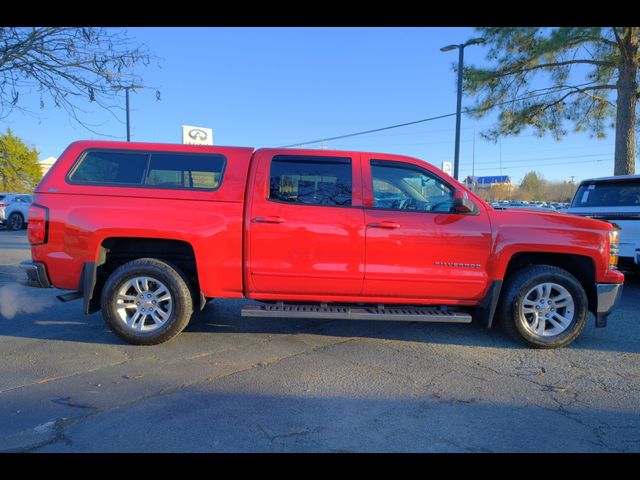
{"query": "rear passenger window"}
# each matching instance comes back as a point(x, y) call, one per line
point(111, 167)
point(169, 170)
point(161, 170)
point(311, 180)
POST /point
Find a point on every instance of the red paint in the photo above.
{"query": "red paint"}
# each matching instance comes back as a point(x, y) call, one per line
point(248, 245)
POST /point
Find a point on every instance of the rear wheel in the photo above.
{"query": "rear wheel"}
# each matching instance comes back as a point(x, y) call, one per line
point(543, 306)
point(147, 301)
point(15, 221)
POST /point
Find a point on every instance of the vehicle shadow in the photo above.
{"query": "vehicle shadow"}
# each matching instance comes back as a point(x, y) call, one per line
point(221, 316)
point(64, 322)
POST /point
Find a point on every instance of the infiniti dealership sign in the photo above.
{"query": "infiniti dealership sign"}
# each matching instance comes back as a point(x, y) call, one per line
point(197, 135)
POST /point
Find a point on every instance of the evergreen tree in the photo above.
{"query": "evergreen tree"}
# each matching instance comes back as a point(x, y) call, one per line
point(581, 66)
point(532, 184)
point(19, 167)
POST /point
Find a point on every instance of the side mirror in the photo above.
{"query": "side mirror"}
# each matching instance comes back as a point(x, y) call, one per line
point(463, 205)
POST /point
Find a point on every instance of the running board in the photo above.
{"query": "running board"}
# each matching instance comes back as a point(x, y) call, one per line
point(405, 314)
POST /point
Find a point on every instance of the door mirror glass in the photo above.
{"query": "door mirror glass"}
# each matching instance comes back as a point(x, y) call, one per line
point(463, 205)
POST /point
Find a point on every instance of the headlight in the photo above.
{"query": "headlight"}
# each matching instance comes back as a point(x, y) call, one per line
point(614, 249)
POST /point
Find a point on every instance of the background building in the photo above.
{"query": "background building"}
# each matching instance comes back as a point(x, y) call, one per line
point(46, 164)
point(485, 183)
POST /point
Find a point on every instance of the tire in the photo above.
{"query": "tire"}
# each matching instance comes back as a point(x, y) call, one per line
point(163, 318)
point(543, 307)
point(15, 221)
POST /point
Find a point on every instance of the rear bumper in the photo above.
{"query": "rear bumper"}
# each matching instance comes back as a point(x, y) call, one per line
point(36, 274)
point(608, 297)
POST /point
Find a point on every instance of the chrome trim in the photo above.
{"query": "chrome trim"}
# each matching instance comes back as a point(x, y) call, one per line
point(608, 296)
point(36, 274)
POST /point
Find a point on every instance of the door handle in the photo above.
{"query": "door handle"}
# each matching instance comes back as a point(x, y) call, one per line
point(268, 220)
point(384, 224)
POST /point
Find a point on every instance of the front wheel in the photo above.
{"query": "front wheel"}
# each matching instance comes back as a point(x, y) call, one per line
point(543, 306)
point(147, 301)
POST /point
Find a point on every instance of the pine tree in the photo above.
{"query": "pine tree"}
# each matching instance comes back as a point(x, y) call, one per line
point(533, 184)
point(581, 67)
point(19, 167)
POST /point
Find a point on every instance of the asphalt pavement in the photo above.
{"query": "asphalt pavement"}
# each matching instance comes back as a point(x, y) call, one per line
point(233, 384)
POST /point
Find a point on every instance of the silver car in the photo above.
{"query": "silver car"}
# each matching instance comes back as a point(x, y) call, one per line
point(14, 209)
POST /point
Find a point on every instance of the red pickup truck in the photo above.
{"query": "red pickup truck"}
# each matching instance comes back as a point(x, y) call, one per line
point(149, 232)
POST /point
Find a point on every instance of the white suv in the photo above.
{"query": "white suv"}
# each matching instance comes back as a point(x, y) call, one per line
point(14, 209)
point(616, 200)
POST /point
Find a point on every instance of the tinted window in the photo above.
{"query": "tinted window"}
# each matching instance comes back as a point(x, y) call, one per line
point(185, 170)
point(608, 194)
point(163, 170)
point(401, 186)
point(311, 180)
point(111, 167)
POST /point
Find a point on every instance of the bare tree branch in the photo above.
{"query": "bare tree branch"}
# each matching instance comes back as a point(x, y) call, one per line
point(69, 66)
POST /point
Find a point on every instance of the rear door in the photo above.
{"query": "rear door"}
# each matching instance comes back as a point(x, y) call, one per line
point(306, 225)
point(415, 247)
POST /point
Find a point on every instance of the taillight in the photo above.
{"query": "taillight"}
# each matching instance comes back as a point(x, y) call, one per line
point(614, 249)
point(38, 228)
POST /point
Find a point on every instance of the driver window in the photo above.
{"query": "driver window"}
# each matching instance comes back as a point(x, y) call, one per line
point(402, 186)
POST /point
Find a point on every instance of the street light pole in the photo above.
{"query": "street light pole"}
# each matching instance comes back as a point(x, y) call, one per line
point(456, 161)
point(460, 47)
point(128, 122)
point(126, 88)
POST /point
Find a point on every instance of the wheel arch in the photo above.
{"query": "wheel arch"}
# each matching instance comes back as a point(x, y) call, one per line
point(580, 266)
point(116, 251)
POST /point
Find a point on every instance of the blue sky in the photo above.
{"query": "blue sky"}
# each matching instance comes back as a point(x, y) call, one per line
point(275, 86)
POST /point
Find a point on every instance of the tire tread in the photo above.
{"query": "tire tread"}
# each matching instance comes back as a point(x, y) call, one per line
point(516, 282)
point(183, 295)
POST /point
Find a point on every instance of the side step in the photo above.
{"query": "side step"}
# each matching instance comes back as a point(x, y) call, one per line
point(405, 314)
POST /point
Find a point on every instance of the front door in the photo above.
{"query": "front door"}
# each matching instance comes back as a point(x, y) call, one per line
point(306, 231)
point(415, 246)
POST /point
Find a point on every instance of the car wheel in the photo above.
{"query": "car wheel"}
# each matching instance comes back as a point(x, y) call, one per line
point(147, 301)
point(15, 221)
point(543, 306)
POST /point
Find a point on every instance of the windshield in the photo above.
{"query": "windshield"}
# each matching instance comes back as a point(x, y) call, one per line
point(608, 194)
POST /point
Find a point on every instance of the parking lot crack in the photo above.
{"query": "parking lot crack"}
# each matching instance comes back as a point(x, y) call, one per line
point(41, 381)
point(55, 428)
point(176, 388)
